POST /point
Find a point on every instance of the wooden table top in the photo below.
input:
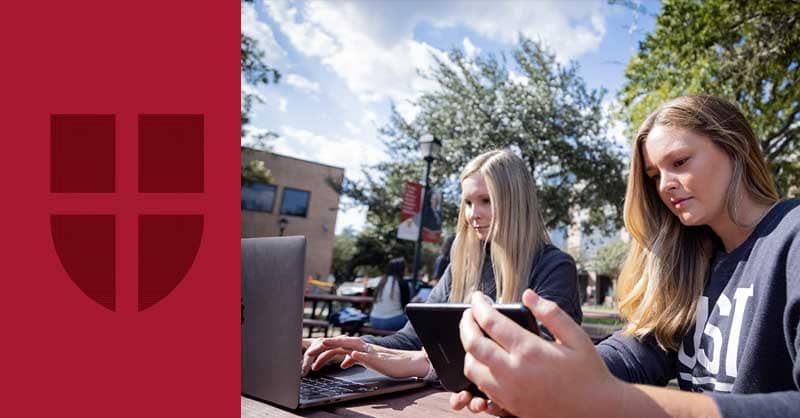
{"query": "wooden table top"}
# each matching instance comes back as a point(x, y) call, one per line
point(337, 298)
point(424, 402)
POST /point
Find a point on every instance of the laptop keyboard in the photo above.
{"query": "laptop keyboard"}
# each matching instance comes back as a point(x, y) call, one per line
point(326, 386)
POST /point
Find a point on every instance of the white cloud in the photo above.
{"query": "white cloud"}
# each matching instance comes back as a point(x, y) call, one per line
point(470, 49)
point(282, 103)
point(349, 153)
point(351, 217)
point(352, 128)
point(370, 45)
point(569, 29)
point(262, 33)
point(374, 55)
point(370, 117)
point(302, 83)
point(252, 133)
point(309, 39)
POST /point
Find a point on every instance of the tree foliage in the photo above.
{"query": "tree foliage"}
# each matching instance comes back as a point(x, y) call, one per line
point(378, 243)
point(745, 51)
point(255, 172)
point(608, 259)
point(368, 252)
point(543, 111)
point(344, 249)
point(255, 72)
point(533, 105)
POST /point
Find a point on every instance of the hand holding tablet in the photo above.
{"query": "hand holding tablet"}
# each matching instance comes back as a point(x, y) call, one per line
point(436, 325)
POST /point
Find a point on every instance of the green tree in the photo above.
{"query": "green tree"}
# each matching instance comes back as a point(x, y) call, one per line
point(608, 259)
point(550, 118)
point(745, 51)
point(344, 249)
point(378, 243)
point(255, 171)
point(254, 72)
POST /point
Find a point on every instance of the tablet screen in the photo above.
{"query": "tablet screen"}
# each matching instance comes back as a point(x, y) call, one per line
point(436, 325)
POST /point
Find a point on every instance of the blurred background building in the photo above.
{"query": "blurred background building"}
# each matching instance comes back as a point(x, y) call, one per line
point(300, 199)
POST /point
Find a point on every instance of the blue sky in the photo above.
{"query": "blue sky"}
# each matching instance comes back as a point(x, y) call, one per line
point(344, 62)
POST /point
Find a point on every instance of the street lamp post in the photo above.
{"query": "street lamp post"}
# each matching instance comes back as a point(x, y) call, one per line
point(282, 223)
point(429, 147)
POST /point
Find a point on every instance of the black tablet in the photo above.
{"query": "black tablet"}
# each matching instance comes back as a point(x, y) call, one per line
point(436, 325)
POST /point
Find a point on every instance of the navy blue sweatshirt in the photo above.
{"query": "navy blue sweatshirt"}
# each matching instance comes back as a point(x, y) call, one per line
point(742, 350)
point(553, 277)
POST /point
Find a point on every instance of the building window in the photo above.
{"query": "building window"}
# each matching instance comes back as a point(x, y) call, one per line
point(294, 202)
point(259, 197)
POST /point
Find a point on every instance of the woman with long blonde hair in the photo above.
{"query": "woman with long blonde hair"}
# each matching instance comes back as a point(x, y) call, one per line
point(710, 291)
point(509, 228)
point(501, 249)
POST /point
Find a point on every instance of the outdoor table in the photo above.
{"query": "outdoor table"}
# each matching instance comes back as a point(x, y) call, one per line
point(328, 299)
point(423, 402)
point(599, 332)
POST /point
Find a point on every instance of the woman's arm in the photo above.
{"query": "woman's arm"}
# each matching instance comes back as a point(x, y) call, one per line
point(555, 278)
point(637, 361)
point(404, 339)
point(528, 376)
point(393, 363)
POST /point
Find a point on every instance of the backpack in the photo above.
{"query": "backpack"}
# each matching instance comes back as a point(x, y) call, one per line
point(348, 316)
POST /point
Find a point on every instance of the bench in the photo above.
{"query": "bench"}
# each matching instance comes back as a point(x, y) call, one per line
point(599, 332)
point(316, 323)
point(355, 329)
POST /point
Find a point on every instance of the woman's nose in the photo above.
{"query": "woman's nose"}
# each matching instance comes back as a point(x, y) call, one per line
point(667, 183)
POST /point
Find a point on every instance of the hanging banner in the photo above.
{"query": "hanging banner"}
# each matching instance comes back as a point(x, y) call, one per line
point(432, 222)
point(410, 214)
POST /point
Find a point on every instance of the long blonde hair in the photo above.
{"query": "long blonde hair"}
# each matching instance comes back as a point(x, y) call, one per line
point(667, 265)
point(516, 233)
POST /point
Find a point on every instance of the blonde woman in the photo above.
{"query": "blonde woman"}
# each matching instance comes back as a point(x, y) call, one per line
point(710, 291)
point(501, 249)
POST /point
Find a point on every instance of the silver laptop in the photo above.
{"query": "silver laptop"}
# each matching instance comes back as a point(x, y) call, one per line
point(272, 326)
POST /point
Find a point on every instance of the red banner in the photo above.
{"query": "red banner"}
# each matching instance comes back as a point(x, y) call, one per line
point(412, 201)
point(410, 215)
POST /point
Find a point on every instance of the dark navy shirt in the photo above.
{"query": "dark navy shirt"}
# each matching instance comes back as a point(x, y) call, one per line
point(743, 347)
point(553, 277)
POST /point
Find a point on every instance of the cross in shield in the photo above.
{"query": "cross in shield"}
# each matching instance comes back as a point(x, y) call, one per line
point(96, 208)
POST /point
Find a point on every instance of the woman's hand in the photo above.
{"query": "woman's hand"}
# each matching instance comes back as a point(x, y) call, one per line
point(391, 362)
point(476, 404)
point(526, 375)
point(316, 355)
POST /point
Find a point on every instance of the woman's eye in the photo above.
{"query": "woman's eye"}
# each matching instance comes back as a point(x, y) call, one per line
point(681, 162)
point(468, 203)
point(655, 177)
point(486, 201)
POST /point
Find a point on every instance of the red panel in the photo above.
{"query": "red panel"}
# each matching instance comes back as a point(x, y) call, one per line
point(82, 153)
point(66, 355)
point(85, 246)
point(171, 153)
point(167, 248)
